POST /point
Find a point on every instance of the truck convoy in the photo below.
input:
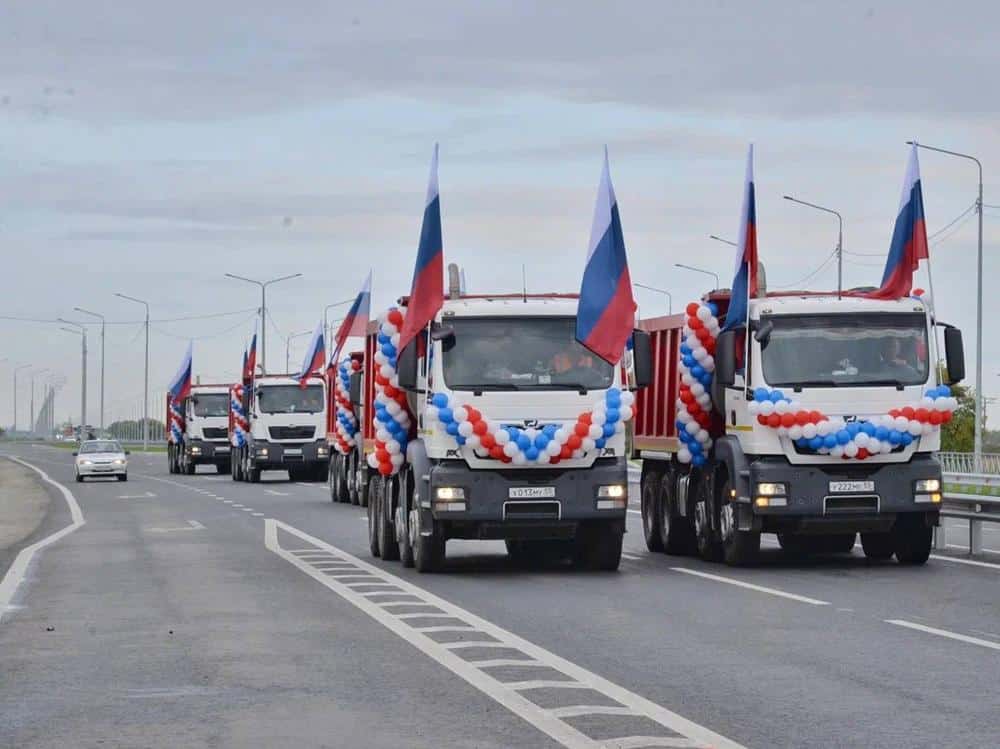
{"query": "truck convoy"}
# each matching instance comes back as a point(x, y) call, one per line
point(197, 430)
point(819, 425)
point(501, 426)
point(282, 427)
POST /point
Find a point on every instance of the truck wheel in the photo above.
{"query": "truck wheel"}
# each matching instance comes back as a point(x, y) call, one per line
point(600, 546)
point(878, 546)
point(360, 481)
point(428, 551)
point(387, 543)
point(331, 478)
point(677, 532)
point(253, 473)
point(404, 534)
point(649, 501)
point(374, 491)
point(709, 547)
point(739, 548)
point(912, 539)
point(170, 459)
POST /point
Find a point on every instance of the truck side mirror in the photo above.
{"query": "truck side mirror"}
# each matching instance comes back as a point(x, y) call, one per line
point(725, 358)
point(355, 388)
point(954, 354)
point(642, 358)
point(406, 366)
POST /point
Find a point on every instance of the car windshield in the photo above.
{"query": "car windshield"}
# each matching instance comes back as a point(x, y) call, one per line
point(522, 353)
point(286, 399)
point(210, 404)
point(846, 350)
point(102, 446)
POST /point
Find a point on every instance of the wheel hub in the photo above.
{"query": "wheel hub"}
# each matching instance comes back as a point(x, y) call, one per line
point(699, 518)
point(728, 522)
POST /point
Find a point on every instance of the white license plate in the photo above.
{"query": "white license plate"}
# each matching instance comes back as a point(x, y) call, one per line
point(222, 449)
point(293, 451)
point(531, 492)
point(852, 486)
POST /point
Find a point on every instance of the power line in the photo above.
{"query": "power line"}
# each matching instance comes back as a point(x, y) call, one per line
point(207, 336)
point(951, 223)
point(810, 276)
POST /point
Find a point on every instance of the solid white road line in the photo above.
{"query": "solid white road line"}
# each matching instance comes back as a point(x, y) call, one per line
point(17, 571)
point(277, 494)
point(966, 548)
point(193, 525)
point(489, 635)
point(973, 562)
point(944, 633)
point(751, 586)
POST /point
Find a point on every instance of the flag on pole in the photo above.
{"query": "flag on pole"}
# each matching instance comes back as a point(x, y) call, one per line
point(356, 321)
point(315, 356)
point(605, 313)
point(427, 288)
point(909, 237)
point(745, 279)
point(180, 386)
point(250, 359)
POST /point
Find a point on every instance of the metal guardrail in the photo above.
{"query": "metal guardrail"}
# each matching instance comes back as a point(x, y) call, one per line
point(965, 463)
point(976, 508)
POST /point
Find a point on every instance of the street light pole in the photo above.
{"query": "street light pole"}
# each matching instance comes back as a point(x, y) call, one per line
point(977, 449)
point(16, 370)
point(713, 274)
point(103, 325)
point(326, 326)
point(81, 330)
point(288, 344)
point(840, 240)
point(145, 387)
point(724, 241)
point(670, 297)
point(263, 310)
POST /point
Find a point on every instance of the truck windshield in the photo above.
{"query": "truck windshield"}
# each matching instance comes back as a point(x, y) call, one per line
point(289, 399)
point(213, 404)
point(846, 350)
point(520, 353)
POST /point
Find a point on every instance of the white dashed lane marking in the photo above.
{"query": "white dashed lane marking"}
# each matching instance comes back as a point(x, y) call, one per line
point(478, 651)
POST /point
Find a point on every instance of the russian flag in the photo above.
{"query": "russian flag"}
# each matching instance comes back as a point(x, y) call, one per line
point(909, 237)
point(745, 279)
point(605, 314)
point(356, 322)
point(180, 386)
point(315, 356)
point(250, 359)
point(427, 289)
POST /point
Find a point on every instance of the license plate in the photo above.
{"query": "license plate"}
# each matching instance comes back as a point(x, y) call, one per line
point(293, 451)
point(531, 492)
point(852, 486)
point(222, 449)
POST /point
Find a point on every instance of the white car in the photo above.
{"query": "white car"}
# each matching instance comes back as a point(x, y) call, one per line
point(101, 458)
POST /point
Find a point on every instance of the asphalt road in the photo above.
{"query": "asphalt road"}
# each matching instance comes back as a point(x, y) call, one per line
point(194, 611)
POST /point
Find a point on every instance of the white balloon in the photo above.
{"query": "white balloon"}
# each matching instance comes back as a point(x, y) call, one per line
point(795, 432)
point(560, 436)
point(553, 448)
point(596, 432)
point(703, 313)
point(766, 408)
point(382, 436)
point(387, 328)
point(578, 453)
point(502, 436)
point(465, 428)
point(392, 407)
point(782, 431)
point(837, 451)
point(511, 449)
point(598, 416)
point(916, 428)
point(697, 389)
point(782, 407)
point(397, 460)
point(519, 459)
point(927, 402)
point(692, 427)
point(686, 378)
point(543, 457)
point(684, 455)
point(823, 428)
point(627, 398)
point(392, 447)
point(395, 339)
point(702, 436)
point(386, 371)
point(809, 431)
point(851, 449)
point(682, 413)
point(861, 439)
point(531, 433)
point(473, 441)
point(460, 414)
point(901, 423)
point(372, 461)
point(704, 400)
point(625, 413)
point(380, 358)
point(587, 444)
point(753, 407)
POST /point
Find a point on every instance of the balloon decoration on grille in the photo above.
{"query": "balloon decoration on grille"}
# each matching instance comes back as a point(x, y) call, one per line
point(392, 418)
point(346, 426)
point(547, 445)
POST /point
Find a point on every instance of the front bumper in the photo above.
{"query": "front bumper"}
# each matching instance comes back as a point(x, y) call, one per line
point(284, 455)
point(201, 452)
point(812, 503)
point(102, 469)
point(489, 511)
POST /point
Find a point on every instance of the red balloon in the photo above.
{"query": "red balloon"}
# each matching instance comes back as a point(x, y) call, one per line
point(693, 408)
point(703, 335)
point(496, 451)
point(906, 411)
point(395, 317)
point(787, 420)
point(862, 453)
point(815, 417)
point(934, 418)
point(774, 421)
point(710, 346)
point(487, 440)
point(695, 324)
point(505, 458)
point(704, 420)
point(762, 420)
point(692, 309)
point(894, 412)
point(474, 414)
point(382, 456)
point(480, 428)
point(945, 417)
point(385, 468)
point(574, 442)
point(581, 429)
point(921, 415)
point(687, 396)
point(802, 418)
point(566, 452)
point(389, 390)
point(584, 418)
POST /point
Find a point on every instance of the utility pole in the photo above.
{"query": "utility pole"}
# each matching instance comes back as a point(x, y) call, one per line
point(288, 344)
point(263, 309)
point(103, 325)
point(145, 376)
point(840, 240)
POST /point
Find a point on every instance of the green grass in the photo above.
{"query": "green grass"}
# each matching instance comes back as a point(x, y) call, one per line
point(986, 491)
point(134, 449)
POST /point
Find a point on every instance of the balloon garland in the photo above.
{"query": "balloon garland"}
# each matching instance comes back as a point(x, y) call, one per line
point(346, 426)
point(548, 445)
point(239, 417)
point(176, 423)
point(392, 419)
point(697, 365)
point(815, 432)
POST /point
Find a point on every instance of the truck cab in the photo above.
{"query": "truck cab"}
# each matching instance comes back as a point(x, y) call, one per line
point(205, 429)
point(287, 428)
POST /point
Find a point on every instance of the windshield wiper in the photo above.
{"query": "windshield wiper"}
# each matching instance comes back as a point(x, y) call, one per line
point(478, 389)
point(582, 389)
point(887, 381)
point(797, 386)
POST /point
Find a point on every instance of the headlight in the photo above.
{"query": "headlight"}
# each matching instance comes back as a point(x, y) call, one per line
point(322, 451)
point(262, 452)
point(613, 491)
point(925, 486)
point(771, 489)
point(86, 462)
point(120, 461)
point(195, 449)
point(450, 492)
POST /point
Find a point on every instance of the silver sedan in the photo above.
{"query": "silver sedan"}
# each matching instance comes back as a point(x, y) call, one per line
point(101, 458)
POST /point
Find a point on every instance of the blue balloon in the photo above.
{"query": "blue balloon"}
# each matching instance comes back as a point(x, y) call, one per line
point(440, 400)
point(868, 428)
point(697, 371)
point(706, 379)
point(514, 432)
point(599, 443)
point(881, 434)
point(445, 415)
point(383, 339)
point(689, 361)
point(713, 308)
point(853, 428)
point(761, 394)
point(695, 447)
point(452, 428)
point(906, 438)
point(830, 440)
point(815, 443)
point(531, 453)
point(895, 437)
point(698, 460)
point(541, 440)
point(609, 429)
point(945, 391)
point(613, 398)
point(550, 430)
point(392, 362)
point(613, 415)
point(459, 439)
point(931, 393)
point(777, 396)
point(843, 437)
point(388, 349)
point(523, 442)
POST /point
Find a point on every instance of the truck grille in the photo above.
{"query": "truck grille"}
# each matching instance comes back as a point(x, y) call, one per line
point(215, 433)
point(292, 433)
point(859, 504)
point(531, 510)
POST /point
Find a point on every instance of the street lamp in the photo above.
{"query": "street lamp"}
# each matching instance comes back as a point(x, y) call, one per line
point(145, 387)
point(288, 346)
point(700, 270)
point(263, 309)
point(978, 436)
point(16, 370)
point(670, 298)
point(724, 241)
point(840, 239)
point(81, 331)
point(98, 315)
point(326, 326)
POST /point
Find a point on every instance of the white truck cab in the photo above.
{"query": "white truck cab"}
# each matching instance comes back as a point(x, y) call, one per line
point(206, 429)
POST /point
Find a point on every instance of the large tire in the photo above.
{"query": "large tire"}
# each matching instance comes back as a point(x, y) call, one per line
point(387, 543)
point(331, 477)
point(404, 534)
point(912, 539)
point(171, 468)
point(362, 481)
point(649, 505)
point(253, 474)
point(599, 547)
point(79, 479)
point(342, 478)
point(708, 545)
point(877, 546)
point(677, 532)
point(123, 477)
point(428, 551)
point(374, 491)
point(739, 548)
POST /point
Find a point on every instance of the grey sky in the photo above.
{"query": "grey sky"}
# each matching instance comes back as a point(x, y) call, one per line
point(151, 147)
